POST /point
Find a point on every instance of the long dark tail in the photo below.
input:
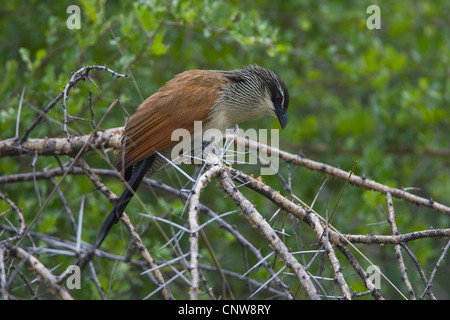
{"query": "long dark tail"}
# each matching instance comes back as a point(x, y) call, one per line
point(137, 175)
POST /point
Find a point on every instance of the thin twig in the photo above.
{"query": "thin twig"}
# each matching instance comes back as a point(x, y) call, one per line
point(433, 272)
point(397, 247)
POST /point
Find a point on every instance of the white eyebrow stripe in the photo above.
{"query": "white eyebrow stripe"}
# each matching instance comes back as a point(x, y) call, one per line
point(281, 91)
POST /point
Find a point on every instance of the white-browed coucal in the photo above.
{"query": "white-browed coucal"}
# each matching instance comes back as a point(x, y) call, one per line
point(220, 99)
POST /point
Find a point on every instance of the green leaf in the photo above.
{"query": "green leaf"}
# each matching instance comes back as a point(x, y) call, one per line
point(91, 10)
point(40, 54)
point(146, 18)
point(25, 55)
point(158, 47)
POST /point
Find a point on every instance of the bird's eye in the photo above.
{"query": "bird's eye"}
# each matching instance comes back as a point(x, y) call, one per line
point(278, 98)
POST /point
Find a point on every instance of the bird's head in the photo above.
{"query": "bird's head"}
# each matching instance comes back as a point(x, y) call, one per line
point(257, 91)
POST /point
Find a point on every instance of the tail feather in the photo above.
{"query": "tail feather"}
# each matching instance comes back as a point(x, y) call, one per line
point(134, 177)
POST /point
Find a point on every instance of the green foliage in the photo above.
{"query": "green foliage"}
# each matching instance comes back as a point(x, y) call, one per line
point(378, 97)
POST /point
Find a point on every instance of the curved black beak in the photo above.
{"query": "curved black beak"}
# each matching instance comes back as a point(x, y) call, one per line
point(282, 116)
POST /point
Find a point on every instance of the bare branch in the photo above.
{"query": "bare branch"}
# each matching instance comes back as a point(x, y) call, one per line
point(256, 219)
point(61, 146)
point(50, 279)
point(355, 180)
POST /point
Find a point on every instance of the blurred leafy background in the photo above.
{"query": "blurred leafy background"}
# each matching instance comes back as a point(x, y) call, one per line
point(379, 97)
